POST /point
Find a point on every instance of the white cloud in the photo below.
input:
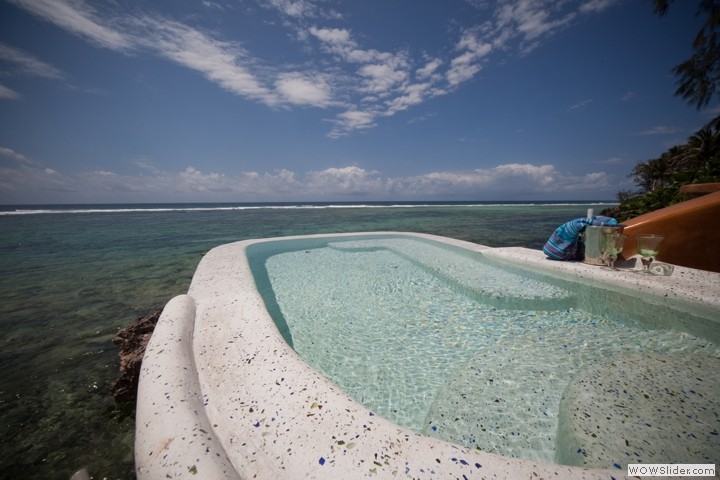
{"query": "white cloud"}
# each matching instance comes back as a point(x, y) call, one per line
point(508, 180)
point(528, 21)
point(23, 181)
point(8, 94)
point(661, 130)
point(410, 95)
point(296, 8)
point(15, 62)
point(463, 69)
point(25, 64)
point(337, 40)
point(541, 175)
point(392, 83)
point(429, 68)
point(14, 156)
point(592, 6)
point(614, 161)
point(299, 10)
point(385, 83)
point(78, 18)
point(220, 62)
point(580, 104)
point(382, 77)
point(27, 183)
point(212, 5)
point(345, 181)
point(467, 64)
point(146, 164)
point(363, 83)
point(223, 63)
point(534, 21)
point(629, 96)
point(352, 120)
point(299, 89)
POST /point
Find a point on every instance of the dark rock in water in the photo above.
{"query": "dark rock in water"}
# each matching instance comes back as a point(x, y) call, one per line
point(132, 341)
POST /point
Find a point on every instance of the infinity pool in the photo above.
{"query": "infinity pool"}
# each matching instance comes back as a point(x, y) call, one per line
point(452, 344)
point(414, 356)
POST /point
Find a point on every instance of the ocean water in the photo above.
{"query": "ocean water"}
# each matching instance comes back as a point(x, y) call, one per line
point(71, 276)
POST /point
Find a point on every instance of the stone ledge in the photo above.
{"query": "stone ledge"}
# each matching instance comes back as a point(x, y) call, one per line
point(173, 437)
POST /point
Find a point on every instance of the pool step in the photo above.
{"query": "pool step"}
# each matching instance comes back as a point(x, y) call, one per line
point(505, 399)
point(474, 277)
point(642, 408)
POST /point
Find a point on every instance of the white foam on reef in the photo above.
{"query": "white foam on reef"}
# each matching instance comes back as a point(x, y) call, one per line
point(164, 208)
point(222, 395)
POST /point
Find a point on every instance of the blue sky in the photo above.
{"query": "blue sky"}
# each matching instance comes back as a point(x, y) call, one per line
point(328, 100)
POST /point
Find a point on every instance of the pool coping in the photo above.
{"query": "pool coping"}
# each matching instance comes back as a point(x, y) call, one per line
point(222, 395)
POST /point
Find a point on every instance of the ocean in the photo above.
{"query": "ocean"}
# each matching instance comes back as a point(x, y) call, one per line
point(72, 275)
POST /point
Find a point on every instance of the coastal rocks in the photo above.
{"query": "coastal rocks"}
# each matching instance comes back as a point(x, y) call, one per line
point(132, 341)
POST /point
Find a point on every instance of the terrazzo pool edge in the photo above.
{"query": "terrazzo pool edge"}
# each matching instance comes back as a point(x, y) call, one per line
point(220, 388)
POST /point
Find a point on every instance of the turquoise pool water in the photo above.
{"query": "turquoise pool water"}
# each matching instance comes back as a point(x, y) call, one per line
point(451, 344)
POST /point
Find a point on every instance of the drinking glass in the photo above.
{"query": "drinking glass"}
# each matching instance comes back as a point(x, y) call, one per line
point(648, 246)
point(611, 246)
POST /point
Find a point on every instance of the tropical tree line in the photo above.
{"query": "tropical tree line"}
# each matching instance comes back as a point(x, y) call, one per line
point(659, 179)
point(697, 161)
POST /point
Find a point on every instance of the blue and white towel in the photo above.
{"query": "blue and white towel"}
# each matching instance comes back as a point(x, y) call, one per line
point(565, 242)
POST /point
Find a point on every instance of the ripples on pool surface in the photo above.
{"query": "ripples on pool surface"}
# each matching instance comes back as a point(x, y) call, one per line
point(450, 344)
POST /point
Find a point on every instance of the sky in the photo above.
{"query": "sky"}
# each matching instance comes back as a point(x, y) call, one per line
point(119, 101)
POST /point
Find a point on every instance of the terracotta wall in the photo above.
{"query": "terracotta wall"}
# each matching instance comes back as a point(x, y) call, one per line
point(691, 230)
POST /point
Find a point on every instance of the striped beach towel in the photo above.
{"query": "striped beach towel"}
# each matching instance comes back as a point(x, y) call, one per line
point(566, 244)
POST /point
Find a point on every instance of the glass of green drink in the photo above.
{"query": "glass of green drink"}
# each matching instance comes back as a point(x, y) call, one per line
point(611, 246)
point(648, 246)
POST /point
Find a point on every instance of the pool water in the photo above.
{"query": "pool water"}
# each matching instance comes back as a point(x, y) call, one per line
point(448, 343)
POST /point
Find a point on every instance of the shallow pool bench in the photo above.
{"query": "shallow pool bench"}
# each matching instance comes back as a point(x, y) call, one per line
point(642, 407)
point(222, 395)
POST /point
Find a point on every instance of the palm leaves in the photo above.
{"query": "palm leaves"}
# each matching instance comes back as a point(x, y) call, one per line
point(699, 151)
point(698, 160)
point(699, 76)
point(661, 6)
point(653, 174)
point(694, 161)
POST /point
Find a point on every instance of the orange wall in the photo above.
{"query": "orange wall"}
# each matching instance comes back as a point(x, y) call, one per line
point(691, 230)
